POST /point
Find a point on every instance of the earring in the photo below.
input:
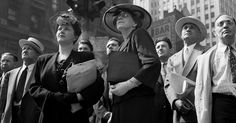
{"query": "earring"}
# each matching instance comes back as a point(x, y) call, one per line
point(134, 26)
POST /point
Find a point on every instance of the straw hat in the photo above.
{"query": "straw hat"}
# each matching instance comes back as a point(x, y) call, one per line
point(36, 44)
point(190, 19)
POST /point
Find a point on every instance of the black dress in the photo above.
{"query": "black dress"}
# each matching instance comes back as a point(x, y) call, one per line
point(138, 105)
point(49, 80)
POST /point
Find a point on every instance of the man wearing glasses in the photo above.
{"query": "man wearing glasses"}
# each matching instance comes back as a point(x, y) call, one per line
point(215, 93)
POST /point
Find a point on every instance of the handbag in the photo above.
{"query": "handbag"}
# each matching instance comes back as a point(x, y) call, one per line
point(81, 75)
point(30, 112)
point(122, 66)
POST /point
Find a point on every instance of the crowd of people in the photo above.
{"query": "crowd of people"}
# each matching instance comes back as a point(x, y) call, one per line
point(193, 85)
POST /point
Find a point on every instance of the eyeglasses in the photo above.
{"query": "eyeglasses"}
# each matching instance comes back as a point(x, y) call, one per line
point(227, 22)
point(123, 15)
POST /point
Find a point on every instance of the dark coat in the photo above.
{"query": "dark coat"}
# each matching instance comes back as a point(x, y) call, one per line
point(162, 104)
point(137, 105)
point(58, 104)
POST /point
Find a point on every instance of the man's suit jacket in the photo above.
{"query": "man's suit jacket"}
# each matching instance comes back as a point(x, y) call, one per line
point(0, 79)
point(203, 91)
point(189, 70)
point(12, 80)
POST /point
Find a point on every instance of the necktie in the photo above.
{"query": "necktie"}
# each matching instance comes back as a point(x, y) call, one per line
point(232, 61)
point(21, 85)
point(3, 93)
point(162, 75)
point(186, 54)
point(163, 70)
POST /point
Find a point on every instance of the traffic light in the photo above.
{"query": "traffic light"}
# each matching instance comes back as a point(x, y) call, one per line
point(86, 8)
point(94, 8)
point(79, 7)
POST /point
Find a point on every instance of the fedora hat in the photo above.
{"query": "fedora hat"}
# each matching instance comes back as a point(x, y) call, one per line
point(140, 12)
point(36, 44)
point(190, 19)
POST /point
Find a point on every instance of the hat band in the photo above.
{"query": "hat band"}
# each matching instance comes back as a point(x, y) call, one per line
point(36, 44)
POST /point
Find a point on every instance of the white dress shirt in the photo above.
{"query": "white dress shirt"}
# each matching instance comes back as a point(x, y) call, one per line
point(222, 76)
point(188, 50)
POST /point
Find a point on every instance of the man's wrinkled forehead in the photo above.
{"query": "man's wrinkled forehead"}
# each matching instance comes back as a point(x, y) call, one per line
point(224, 18)
point(112, 42)
point(189, 23)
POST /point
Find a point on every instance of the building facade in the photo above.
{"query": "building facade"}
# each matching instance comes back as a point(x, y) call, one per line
point(205, 10)
point(23, 18)
point(163, 24)
point(152, 6)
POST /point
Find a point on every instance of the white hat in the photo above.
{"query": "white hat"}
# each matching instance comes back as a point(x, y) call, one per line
point(36, 44)
point(190, 19)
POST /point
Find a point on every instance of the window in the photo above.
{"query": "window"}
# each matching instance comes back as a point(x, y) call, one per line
point(198, 1)
point(185, 5)
point(193, 11)
point(206, 16)
point(36, 20)
point(206, 7)
point(192, 2)
point(199, 17)
point(11, 14)
point(207, 26)
point(54, 5)
point(198, 9)
point(212, 6)
point(212, 24)
point(207, 36)
point(212, 14)
point(180, 7)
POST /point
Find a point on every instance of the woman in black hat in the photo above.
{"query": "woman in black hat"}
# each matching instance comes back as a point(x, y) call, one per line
point(63, 105)
point(133, 99)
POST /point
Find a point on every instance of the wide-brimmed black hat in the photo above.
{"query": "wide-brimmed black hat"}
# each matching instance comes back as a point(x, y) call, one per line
point(140, 12)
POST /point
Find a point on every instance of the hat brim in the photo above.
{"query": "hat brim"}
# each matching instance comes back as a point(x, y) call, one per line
point(109, 16)
point(180, 23)
point(23, 42)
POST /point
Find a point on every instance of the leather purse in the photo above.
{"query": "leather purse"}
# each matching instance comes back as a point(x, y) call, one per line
point(122, 66)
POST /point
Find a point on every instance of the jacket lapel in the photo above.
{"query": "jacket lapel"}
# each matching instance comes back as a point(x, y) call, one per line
point(10, 94)
point(191, 60)
point(30, 80)
point(179, 62)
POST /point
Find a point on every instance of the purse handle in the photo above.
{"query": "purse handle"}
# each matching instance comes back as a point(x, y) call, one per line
point(40, 120)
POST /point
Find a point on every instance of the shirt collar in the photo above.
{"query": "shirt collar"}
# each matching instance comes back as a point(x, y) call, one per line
point(190, 46)
point(29, 67)
point(223, 48)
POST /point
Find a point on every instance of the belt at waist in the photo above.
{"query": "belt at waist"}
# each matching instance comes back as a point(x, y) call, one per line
point(219, 95)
